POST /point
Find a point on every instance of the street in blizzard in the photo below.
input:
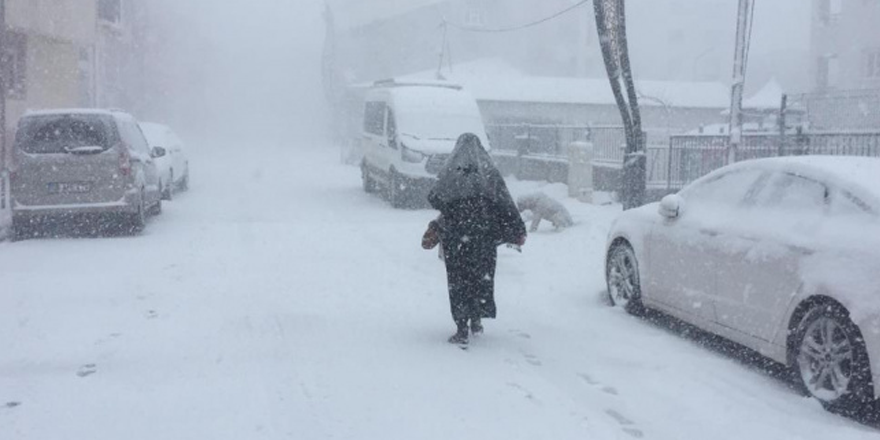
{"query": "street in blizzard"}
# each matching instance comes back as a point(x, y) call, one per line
point(310, 221)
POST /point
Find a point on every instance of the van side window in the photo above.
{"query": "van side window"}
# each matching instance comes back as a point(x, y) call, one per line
point(374, 118)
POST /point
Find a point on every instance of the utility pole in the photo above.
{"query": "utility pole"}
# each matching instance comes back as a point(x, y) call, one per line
point(740, 60)
point(3, 90)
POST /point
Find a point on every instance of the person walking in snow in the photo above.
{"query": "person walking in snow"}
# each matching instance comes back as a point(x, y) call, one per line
point(477, 214)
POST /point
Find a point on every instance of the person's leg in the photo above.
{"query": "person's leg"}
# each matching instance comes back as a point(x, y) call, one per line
point(459, 306)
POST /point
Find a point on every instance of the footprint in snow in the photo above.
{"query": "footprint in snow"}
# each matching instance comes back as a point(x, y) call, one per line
point(151, 314)
point(520, 334)
point(525, 392)
point(594, 383)
point(87, 370)
point(533, 360)
point(627, 425)
point(11, 405)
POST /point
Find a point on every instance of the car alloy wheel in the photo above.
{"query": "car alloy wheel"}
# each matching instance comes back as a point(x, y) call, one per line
point(830, 358)
point(623, 279)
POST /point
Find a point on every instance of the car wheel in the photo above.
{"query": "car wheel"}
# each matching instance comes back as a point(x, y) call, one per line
point(138, 220)
point(184, 183)
point(830, 360)
point(622, 277)
point(168, 189)
point(369, 183)
point(396, 190)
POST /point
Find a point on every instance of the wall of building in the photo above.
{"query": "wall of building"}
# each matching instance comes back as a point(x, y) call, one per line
point(68, 20)
point(658, 121)
point(845, 35)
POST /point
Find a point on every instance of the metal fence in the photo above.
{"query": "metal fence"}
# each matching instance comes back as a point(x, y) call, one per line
point(691, 157)
point(5, 205)
point(850, 110)
point(553, 140)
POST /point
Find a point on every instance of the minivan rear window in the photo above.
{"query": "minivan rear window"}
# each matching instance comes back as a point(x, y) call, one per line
point(64, 134)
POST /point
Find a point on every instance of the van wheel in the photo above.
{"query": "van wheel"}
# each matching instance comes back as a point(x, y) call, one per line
point(369, 183)
point(157, 208)
point(396, 190)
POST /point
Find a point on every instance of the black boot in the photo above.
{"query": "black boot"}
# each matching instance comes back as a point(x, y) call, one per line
point(461, 335)
point(476, 326)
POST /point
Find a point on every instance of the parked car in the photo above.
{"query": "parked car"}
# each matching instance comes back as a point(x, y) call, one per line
point(780, 255)
point(73, 162)
point(174, 166)
point(409, 131)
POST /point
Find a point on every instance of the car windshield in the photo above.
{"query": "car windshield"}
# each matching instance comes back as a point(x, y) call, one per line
point(63, 134)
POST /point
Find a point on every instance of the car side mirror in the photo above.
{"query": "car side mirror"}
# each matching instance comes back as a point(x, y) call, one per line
point(671, 206)
point(158, 152)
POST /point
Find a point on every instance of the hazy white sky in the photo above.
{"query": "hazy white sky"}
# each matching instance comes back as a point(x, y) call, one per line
point(261, 62)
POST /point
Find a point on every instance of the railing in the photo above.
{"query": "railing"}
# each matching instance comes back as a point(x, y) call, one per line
point(691, 157)
point(5, 205)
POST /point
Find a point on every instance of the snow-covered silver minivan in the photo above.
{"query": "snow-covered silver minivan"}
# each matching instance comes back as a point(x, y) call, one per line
point(72, 162)
point(409, 131)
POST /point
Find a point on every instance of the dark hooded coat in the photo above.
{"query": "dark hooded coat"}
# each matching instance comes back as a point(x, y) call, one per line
point(477, 215)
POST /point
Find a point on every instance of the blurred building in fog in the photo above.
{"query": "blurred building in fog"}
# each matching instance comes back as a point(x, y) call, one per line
point(846, 66)
point(73, 53)
point(846, 44)
point(380, 39)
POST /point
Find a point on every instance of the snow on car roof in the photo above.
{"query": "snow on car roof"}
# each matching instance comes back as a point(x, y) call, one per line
point(73, 111)
point(854, 173)
point(153, 131)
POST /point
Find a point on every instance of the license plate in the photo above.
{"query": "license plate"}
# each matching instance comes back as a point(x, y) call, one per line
point(69, 188)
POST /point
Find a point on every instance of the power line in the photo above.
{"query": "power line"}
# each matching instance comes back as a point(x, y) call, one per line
point(519, 27)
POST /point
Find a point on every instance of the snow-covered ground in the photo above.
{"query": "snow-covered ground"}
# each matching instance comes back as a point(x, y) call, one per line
point(277, 300)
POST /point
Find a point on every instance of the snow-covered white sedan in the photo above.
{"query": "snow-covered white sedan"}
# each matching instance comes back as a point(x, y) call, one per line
point(174, 166)
point(780, 255)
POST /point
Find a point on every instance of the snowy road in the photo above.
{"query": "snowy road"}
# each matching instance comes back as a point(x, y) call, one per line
point(276, 300)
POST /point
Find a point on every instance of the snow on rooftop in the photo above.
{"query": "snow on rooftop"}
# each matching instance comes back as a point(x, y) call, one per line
point(494, 80)
point(769, 97)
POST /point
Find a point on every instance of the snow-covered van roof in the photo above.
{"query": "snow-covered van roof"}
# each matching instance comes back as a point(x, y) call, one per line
point(434, 99)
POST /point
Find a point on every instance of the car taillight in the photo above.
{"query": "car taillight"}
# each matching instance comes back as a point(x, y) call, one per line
point(124, 160)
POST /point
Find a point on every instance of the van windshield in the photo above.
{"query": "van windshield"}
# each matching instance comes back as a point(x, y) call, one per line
point(433, 126)
point(63, 134)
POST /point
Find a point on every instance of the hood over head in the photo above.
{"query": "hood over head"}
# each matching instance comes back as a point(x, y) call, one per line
point(469, 172)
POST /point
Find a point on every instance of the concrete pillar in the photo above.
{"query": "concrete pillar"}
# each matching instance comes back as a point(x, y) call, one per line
point(580, 171)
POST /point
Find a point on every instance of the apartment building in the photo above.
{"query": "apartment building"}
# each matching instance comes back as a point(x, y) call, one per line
point(70, 53)
point(846, 44)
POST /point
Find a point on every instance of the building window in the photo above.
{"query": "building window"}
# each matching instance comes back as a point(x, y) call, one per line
point(829, 11)
point(110, 11)
point(872, 64)
point(13, 62)
point(474, 14)
point(828, 71)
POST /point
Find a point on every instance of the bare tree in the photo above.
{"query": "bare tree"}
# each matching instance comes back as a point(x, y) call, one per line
point(611, 25)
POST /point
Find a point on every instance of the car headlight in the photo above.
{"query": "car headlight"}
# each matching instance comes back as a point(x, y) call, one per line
point(411, 156)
